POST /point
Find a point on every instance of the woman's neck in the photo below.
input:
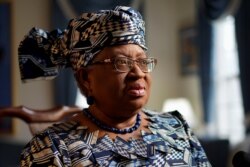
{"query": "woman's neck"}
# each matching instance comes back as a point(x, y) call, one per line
point(92, 127)
point(115, 119)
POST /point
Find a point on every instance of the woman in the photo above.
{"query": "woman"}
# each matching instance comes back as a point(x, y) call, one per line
point(107, 53)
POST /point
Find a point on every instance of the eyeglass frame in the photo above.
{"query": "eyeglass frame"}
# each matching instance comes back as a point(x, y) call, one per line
point(137, 61)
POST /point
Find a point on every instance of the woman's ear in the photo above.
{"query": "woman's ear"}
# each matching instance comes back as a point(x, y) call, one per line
point(83, 80)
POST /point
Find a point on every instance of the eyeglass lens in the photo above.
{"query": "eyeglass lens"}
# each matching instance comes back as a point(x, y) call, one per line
point(124, 64)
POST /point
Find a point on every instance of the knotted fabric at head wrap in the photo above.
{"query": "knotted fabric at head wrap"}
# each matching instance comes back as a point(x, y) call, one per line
point(42, 54)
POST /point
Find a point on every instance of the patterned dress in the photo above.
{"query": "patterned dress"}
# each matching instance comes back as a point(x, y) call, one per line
point(171, 143)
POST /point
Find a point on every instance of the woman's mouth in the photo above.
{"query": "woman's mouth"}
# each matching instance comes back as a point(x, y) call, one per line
point(136, 91)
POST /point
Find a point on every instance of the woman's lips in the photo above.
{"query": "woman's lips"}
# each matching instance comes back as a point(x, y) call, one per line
point(136, 91)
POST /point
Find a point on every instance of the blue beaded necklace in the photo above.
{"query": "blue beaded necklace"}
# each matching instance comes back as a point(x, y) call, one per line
point(111, 129)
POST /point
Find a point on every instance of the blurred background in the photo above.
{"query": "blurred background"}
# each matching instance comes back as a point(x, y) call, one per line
point(202, 48)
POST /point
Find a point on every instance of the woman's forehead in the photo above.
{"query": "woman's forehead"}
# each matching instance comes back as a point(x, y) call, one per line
point(129, 50)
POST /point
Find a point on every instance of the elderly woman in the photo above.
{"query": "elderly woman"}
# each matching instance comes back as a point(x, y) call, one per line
point(107, 53)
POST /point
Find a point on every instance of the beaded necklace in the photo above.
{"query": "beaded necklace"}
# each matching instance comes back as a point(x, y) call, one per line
point(112, 129)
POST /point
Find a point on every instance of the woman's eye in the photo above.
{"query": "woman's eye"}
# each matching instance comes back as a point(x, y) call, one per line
point(144, 62)
point(121, 61)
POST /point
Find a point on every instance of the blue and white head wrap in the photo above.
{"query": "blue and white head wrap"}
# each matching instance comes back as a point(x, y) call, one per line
point(42, 54)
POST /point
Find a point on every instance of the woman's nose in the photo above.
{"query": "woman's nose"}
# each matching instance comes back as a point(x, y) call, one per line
point(136, 71)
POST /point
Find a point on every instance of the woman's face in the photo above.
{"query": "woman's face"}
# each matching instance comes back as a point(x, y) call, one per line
point(115, 91)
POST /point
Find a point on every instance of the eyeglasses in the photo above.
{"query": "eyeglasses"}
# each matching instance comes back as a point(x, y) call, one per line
point(125, 64)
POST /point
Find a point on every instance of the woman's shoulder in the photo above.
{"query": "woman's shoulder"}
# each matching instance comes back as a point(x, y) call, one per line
point(160, 115)
point(47, 144)
point(59, 127)
point(56, 133)
point(167, 120)
point(53, 134)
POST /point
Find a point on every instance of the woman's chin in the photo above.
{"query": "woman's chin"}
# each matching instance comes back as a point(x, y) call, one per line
point(136, 103)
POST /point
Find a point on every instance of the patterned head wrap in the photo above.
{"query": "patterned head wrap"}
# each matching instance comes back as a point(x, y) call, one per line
point(42, 54)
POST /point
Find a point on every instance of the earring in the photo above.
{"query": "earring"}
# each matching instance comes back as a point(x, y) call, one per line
point(90, 100)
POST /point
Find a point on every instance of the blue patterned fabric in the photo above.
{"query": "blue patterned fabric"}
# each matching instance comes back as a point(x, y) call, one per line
point(171, 143)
